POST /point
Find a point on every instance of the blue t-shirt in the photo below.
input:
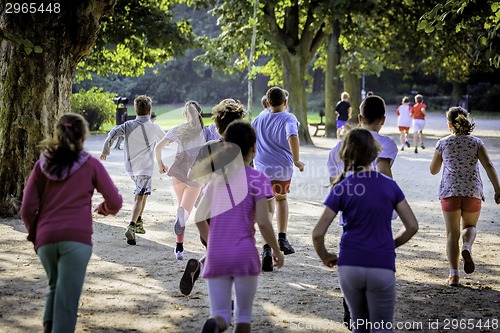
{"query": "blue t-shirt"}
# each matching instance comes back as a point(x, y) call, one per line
point(274, 156)
point(366, 200)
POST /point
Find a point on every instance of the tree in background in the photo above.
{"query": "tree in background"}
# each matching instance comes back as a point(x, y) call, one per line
point(40, 54)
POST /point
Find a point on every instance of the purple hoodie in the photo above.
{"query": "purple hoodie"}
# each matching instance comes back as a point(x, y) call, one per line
point(56, 209)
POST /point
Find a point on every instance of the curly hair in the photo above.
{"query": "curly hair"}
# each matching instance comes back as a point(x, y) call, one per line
point(227, 111)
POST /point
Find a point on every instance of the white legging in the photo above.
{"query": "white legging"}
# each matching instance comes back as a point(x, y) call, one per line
point(371, 294)
point(220, 291)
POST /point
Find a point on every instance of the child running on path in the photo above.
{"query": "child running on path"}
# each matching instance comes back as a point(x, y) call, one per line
point(232, 258)
point(461, 188)
point(366, 261)
point(277, 153)
point(189, 136)
point(140, 136)
point(343, 110)
point(418, 113)
point(404, 122)
point(223, 114)
point(57, 211)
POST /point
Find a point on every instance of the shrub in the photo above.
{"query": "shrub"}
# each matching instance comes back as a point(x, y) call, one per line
point(95, 105)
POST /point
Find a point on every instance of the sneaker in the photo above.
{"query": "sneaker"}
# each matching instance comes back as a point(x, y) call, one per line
point(285, 246)
point(469, 266)
point(416, 150)
point(130, 234)
point(139, 227)
point(402, 147)
point(408, 143)
point(267, 259)
point(453, 280)
point(191, 274)
point(179, 255)
point(211, 326)
point(422, 145)
point(180, 222)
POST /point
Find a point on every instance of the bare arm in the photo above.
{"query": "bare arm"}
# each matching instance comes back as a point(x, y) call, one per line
point(490, 171)
point(266, 229)
point(349, 117)
point(159, 146)
point(293, 140)
point(437, 161)
point(410, 224)
point(384, 166)
point(318, 236)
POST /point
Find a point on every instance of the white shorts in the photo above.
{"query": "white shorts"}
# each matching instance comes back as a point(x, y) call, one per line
point(418, 125)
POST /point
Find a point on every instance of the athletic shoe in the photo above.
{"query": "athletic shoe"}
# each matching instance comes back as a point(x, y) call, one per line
point(408, 143)
point(347, 315)
point(211, 326)
point(130, 234)
point(402, 147)
point(180, 222)
point(285, 246)
point(453, 280)
point(139, 227)
point(469, 266)
point(422, 145)
point(179, 255)
point(416, 150)
point(267, 259)
point(191, 274)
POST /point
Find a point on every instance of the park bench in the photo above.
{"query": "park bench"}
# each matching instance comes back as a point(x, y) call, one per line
point(319, 126)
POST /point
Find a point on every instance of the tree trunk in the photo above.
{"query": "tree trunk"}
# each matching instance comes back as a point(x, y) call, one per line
point(332, 84)
point(459, 89)
point(294, 70)
point(39, 56)
point(352, 84)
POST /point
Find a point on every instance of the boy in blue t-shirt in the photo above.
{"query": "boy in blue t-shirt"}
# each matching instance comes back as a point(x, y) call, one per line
point(277, 153)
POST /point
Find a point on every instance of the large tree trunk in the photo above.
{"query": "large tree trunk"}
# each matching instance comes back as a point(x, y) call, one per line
point(332, 82)
point(39, 55)
point(459, 89)
point(294, 69)
point(352, 84)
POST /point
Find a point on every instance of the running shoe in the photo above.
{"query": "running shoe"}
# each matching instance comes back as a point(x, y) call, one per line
point(416, 150)
point(408, 143)
point(267, 259)
point(139, 226)
point(469, 266)
point(285, 246)
point(453, 280)
point(191, 274)
point(130, 234)
point(179, 255)
point(211, 326)
point(422, 145)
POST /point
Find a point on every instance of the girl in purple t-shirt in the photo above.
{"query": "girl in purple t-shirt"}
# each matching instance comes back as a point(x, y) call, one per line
point(241, 194)
point(461, 189)
point(366, 261)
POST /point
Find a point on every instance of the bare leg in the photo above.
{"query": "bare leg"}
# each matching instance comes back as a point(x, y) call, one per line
point(452, 221)
point(415, 139)
point(402, 137)
point(139, 204)
point(421, 137)
point(282, 212)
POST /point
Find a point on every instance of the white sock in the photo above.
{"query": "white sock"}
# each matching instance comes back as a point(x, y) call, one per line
point(453, 271)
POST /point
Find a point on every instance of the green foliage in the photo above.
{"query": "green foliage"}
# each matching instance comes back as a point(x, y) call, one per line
point(478, 19)
point(138, 35)
point(95, 105)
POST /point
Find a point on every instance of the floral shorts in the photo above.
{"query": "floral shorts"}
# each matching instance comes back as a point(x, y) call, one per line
point(142, 185)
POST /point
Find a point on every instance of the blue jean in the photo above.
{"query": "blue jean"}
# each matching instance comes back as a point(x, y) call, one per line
point(65, 264)
point(371, 295)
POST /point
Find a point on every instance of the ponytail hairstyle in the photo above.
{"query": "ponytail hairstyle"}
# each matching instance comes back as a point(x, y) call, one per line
point(192, 112)
point(227, 111)
point(459, 119)
point(66, 144)
point(358, 150)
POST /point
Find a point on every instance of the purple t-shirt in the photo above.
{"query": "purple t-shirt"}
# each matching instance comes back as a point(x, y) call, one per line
point(367, 200)
point(274, 156)
point(231, 247)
